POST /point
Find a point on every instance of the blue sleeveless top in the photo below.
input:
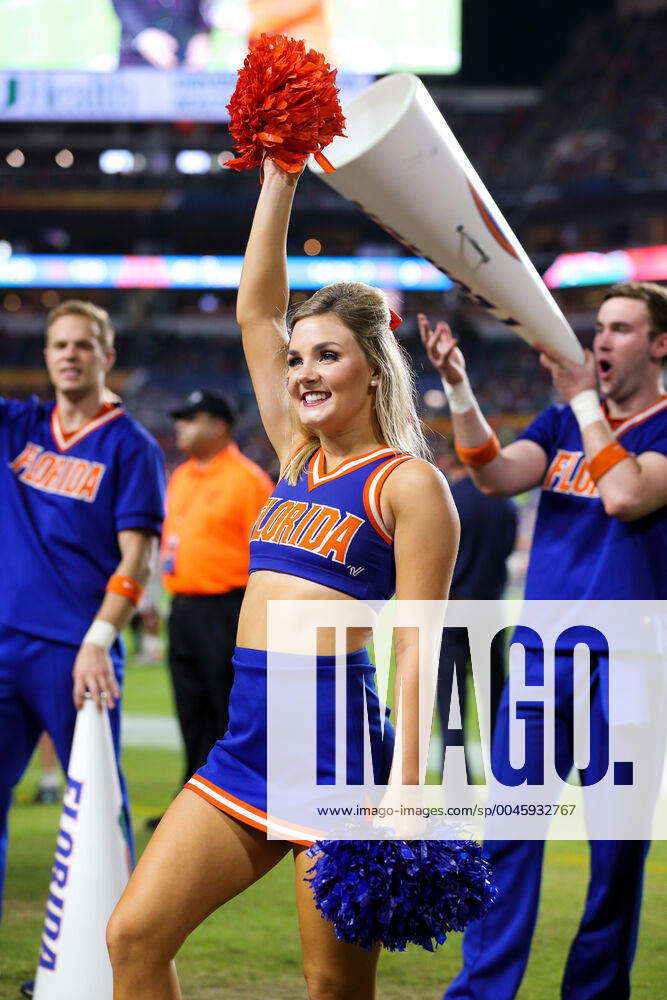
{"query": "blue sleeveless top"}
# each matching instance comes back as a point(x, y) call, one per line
point(328, 527)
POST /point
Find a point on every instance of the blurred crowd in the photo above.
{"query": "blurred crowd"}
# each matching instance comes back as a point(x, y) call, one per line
point(157, 367)
point(600, 121)
point(597, 126)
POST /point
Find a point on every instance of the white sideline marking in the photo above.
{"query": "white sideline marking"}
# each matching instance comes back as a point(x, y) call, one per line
point(158, 731)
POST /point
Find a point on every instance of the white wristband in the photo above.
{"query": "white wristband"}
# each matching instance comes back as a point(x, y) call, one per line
point(101, 633)
point(586, 408)
point(459, 395)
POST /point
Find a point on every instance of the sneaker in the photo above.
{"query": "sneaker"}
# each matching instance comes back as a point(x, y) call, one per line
point(28, 988)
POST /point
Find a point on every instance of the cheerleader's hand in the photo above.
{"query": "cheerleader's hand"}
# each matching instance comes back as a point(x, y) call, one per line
point(402, 811)
point(271, 171)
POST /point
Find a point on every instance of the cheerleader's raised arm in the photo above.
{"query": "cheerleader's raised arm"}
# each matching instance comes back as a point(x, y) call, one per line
point(262, 303)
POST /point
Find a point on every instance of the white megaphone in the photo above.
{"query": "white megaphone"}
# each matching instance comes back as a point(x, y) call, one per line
point(91, 867)
point(402, 165)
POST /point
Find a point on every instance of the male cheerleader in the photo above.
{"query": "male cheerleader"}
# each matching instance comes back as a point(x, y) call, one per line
point(601, 533)
point(81, 493)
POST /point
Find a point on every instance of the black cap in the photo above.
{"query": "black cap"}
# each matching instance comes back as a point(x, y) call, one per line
point(205, 401)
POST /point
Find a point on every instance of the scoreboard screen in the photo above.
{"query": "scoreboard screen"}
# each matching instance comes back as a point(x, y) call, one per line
point(155, 59)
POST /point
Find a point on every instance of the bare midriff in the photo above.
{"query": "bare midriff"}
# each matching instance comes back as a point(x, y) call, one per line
point(266, 585)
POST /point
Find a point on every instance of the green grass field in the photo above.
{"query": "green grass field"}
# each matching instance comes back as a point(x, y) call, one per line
point(250, 949)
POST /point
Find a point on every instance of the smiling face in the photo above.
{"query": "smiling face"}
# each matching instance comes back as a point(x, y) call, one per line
point(626, 356)
point(329, 378)
point(75, 359)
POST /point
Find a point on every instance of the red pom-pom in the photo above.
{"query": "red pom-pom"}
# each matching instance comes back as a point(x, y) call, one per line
point(285, 105)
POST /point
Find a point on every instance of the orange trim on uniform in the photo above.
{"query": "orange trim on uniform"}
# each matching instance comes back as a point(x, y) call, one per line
point(126, 587)
point(481, 455)
point(317, 475)
point(237, 808)
point(372, 491)
point(606, 459)
point(232, 798)
point(224, 807)
point(66, 439)
point(66, 435)
point(621, 426)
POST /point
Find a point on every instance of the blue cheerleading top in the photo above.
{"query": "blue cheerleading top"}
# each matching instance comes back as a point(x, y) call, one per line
point(328, 526)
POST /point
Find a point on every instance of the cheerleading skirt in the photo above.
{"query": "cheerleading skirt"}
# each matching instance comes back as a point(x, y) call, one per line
point(234, 777)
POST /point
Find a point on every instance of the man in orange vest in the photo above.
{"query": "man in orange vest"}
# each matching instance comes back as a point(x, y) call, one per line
point(213, 500)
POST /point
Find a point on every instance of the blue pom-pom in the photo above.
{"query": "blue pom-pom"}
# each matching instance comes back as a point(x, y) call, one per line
point(400, 891)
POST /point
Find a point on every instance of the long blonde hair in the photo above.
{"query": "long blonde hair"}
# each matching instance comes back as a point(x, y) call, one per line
point(364, 311)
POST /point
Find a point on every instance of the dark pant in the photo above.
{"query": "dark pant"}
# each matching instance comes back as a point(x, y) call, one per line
point(496, 948)
point(202, 638)
point(36, 696)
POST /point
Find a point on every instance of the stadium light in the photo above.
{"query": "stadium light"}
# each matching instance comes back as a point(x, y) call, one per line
point(193, 161)
point(207, 272)
point(208, 303)
point(572, 270)
point(16, 158)
point(435, 399)
point(64, 158)
point(117, 161)
point(50, 298)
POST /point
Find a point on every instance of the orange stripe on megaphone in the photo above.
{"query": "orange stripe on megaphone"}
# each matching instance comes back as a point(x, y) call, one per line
point(491, 223)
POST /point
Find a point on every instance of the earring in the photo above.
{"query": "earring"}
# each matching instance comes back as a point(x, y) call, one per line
point(374, 381)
